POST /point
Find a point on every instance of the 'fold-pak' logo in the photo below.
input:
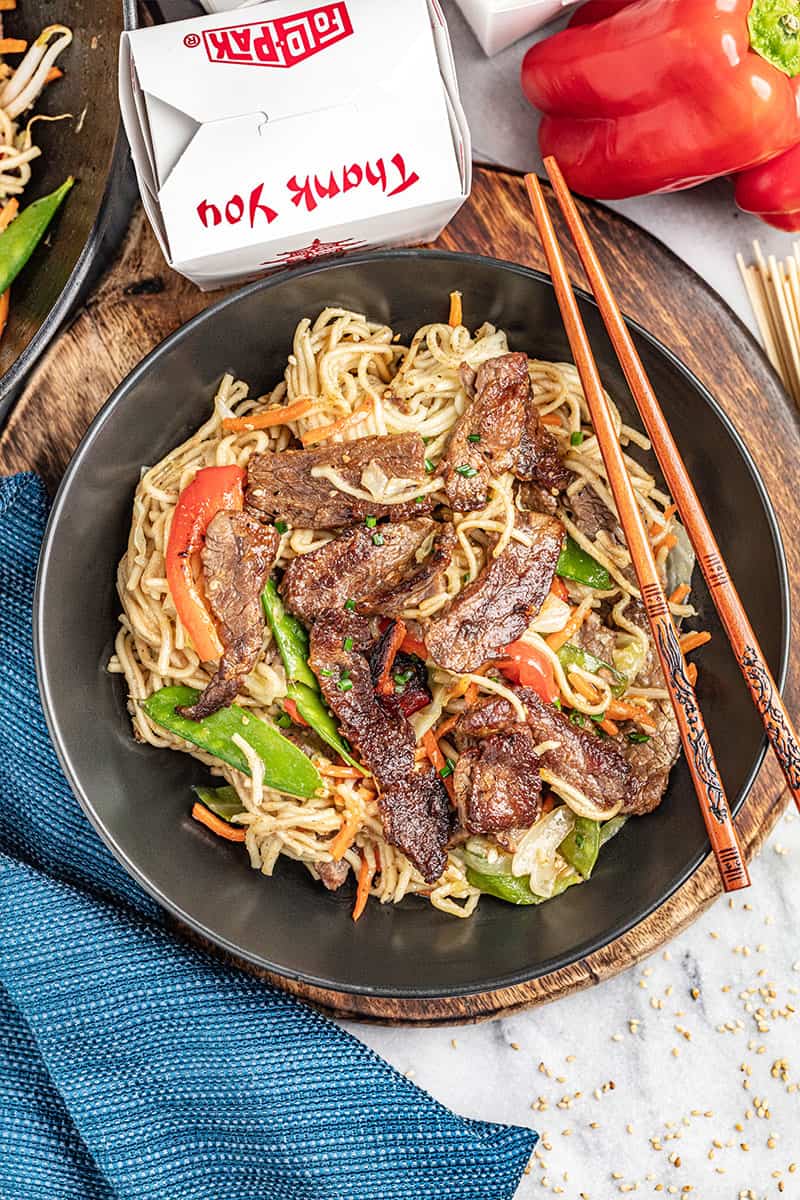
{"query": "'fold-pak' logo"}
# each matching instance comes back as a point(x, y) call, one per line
point(279, 43)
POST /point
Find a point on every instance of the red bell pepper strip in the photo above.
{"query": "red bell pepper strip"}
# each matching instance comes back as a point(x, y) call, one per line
point(772, 191)
point(212, 489)
point(294, 712)
point(525, 664)
point(664, 94)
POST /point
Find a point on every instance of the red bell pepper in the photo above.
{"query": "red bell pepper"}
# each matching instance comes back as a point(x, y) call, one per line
point(658, 95)
point(772, 191)
point(211, 490)
point(527, 665)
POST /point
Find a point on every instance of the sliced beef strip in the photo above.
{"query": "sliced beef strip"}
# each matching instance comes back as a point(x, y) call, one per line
point(497, 606)
point(538, 458)
point(281, 485)
point(497, 783)
point(387, 665)
point(353, 567)
point(496, 417)
point(591, 516)
point(237, 558)
point(537, 499)
point(593, 765)
point(413, 802)
point(652, 761)
point(423, 581)
point(596, 638)
point(332, 874)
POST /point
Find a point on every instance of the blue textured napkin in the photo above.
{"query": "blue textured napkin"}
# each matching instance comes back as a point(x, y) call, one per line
point(135, 1066)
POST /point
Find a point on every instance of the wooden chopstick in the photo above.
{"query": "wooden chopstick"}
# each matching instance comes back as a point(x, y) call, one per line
point(697, 747)
point(744, 643)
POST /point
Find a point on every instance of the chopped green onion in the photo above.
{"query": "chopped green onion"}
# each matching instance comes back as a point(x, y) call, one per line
point(347, 644)
point(557, 703)
point(577, 718)
point(473, 437)
point(377, 539)
point(575, 439)
point(284, 720)
point(635, 736)
point(466, 470)
point(465, 578)
point(345, 682)
point(425, 440)
point(448, 768)
point(326, 671)
point(429, 466)
point(281, 526)
point(350, 605)
point(371, 522)
point(402, 678)
point(598, 717)
point(419, 499)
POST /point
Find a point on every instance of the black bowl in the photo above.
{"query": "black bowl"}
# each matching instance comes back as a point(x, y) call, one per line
point(138, 797)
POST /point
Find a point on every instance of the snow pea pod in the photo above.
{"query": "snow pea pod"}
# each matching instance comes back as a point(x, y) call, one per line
point(575, 563)
point(312, 709)
point(20, 239)
point(581, 846)
point(224, 802)
point(610, 829)
point(286, 768)
point(517, 890)
point(571, 655)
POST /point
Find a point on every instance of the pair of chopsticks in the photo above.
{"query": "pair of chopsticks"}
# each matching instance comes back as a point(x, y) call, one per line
point(766, 697)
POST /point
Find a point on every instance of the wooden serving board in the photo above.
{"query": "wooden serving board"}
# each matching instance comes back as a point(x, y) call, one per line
point(140, 301)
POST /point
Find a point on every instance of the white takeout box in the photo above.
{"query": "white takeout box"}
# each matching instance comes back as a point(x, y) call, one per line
point(498, 23)
point(283, 132)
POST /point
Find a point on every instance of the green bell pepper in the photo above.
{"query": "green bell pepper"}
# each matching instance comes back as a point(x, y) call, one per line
point(574, 563)
point(20, 239)
point(286, 768)
point(224, 802)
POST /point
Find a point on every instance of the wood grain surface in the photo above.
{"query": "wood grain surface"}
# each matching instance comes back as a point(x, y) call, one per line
point(140, 301)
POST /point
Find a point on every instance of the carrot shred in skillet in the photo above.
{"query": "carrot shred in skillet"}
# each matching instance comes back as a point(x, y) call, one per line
point(53, 74)
point(456, 317)
point(8, 212)
point(559, 589)
point(365, 875)
point(447, 725)
point(691, 672)
point(11, 45)
point(659, 526)
point(583, 688)
point(385, 684)
point(7, 5)
point(620, 710)
point(345, 837)
point(610, 727)
point(5, 300)
point(334, 771)
point(680, 594)
point(552, 419)
point(211, 821)
point(322, 432)
point(556, 640)
point(691, 641)
point(437, 759)
point(265, 420)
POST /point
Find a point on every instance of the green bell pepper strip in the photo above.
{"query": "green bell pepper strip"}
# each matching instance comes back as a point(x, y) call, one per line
point(292, 642)
point(290, 638)
point(224, 802)
point(610, 829)
point(312, 709)
point(571, 655)
point(517, 890)
point(575, 563)
point(581, 846)
point(20, 239)
point(286, 768)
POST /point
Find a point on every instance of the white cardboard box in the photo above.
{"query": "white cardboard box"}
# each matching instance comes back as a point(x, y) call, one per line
point(280, 133)
point(498, 23)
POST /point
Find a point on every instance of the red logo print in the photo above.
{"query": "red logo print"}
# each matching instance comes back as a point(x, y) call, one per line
point(283, 42)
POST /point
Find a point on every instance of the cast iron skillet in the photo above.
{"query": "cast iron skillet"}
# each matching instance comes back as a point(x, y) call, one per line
point(138, 797)
point(44, 292)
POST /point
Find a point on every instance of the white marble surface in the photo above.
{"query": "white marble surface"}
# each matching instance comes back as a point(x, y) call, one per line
point(682, 1083)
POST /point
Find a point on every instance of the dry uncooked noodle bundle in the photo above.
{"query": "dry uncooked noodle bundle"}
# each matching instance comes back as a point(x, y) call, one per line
point(347, 377)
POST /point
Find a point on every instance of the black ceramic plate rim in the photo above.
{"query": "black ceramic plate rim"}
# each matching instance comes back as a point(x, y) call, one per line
point(580, 950)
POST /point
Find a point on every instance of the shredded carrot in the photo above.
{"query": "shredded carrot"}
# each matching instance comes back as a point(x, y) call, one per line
point(53, 74)
point(7, 5)
point(334, 771)
point(216, 824)
point(669, 541)
point(680, 594)
point(456, 315)
point(690, 641)
point(552, 419)
point(8, 212)
point(362, 891)
point(556, 640)
point(608, 727)
point(437, 759)
point(447, 725)
point(385, 683)
point(691, 673)
point(265, 420)
point(13, 45)
point(312, 436)
point(659, 526)
point(471, 695)
point(559, 588)
point(346, 836)
point(621, 710)
point(583, 688)
point(4, 303)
